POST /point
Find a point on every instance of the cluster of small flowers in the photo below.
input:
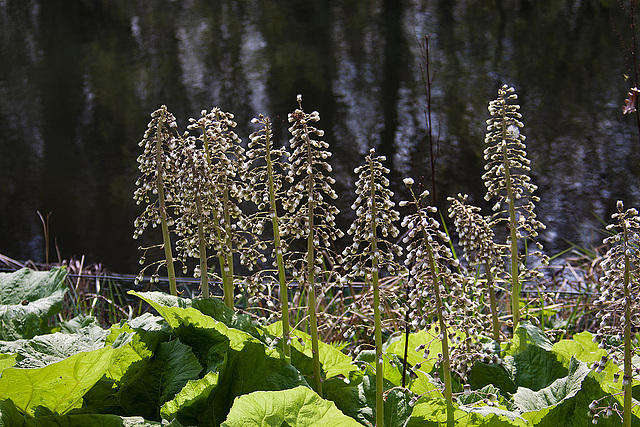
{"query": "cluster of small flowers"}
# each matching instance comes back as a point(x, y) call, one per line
point(478, 242)
point(374, 214)
point(310, 183)
point(197, 199)
point(158, 143)
point(475, 234)
point(596, 412)
point(429, 259)
point(506, 159)
point(619, 293)
point(267, 167)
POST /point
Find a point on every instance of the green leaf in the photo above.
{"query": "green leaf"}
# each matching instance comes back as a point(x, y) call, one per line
point(192, 401)
point(528, 400)
point(333, 362)
point(172, 365)
point(243, 363)
point(299, 406)
point(528, 335)
point(102, 420)
point(434, 412)
point(44, 350)
point(581, 346)
point(27, 299)
point(31, 389)
point(62, 386)
point(356, 397)
point(423, 337)
point(500, 375)
point(7, 361)
point(212, 307)
point(9, 415)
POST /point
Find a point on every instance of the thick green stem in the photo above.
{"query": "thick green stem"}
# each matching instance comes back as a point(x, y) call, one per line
point(166, 240)
point(376, 307)
point(204, 274)
point(313, 319)
point(228, 263)
point(628, 371)
point(446, 362)
point(284, 294)
point(515, 275)
point(494, 304)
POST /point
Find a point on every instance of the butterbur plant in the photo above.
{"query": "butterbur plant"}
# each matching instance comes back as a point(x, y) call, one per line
point(618, 308)
point(509, 186)
point(225, 155)
point(267, 168)
point(440, 291)
point(155, 187)
point(371, 250)
point(309, 216)
point(196, 199)
point(481, 251)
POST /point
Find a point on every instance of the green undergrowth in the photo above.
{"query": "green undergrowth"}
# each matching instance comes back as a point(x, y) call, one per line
point(198, 363)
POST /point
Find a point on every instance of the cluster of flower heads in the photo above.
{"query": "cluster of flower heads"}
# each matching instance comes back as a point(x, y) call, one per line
point(475, 234)
point(155, 185)
point(507, 166)
point(200, 182)
point(308, 213)
point(267, 167)
point(374, 223)
point(433, 275)
point(618, 303)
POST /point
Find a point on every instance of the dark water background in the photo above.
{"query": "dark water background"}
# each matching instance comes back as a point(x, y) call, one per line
point(78, 79)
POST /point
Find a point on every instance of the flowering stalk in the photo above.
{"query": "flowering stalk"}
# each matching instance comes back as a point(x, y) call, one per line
point(314, 220)
point(271, 172)
point(432, 268)
point(196, 199)
point(507, 182)
point(618, 303)
point(370, 250)
point(423, 253)
point(156, 165)
point(477, 240)
point(226, 161)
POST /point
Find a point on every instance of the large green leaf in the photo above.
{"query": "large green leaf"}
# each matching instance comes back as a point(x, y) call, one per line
point(212, 307)
point(62, 386)
point(27, 299)
point(528, 400)
point(58, 387)
point(333, 362)
point(243, 363)
point(172, 365)
point(434, 412)
point(43, 350)
point(9, 415)
point(300, 407)
point(87, 420)
point(500, 375)
point(356, 397)
point(427, 338)
point(191, 402)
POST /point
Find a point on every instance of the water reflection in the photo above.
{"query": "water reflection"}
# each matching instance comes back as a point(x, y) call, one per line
point(78, 80)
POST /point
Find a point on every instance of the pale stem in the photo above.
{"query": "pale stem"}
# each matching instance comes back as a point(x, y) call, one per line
point(313, 320)
point(494, 304)
point(515, 279)
point(284, 294)
point(166, 240)
point(204, 274)
point(446, 362)
point(376, 308)
point(628, 372)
